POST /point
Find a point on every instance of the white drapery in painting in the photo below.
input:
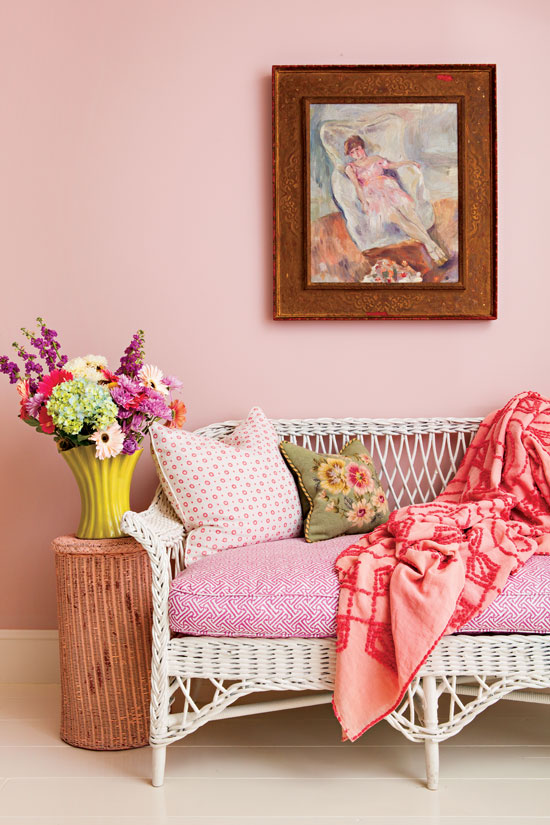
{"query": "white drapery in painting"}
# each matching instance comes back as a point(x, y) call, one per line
point(383, 134)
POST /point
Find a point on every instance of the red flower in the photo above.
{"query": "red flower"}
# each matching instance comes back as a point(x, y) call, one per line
point(111, 378)
point(52, 380)
point(135, 402)
point(45, 419)
point(179, 414)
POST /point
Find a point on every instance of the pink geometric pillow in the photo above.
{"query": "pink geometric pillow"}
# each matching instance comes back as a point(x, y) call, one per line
point(228, 492)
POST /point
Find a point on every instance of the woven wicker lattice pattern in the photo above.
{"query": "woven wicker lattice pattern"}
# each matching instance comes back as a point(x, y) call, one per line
point(415, 457)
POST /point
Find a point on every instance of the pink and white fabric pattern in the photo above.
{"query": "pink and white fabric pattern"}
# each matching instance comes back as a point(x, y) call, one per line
point(227, 492)
point(290, 588)
point(273, 590)
point(522, 607)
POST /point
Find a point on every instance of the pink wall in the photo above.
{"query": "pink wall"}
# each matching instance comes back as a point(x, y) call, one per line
point(136, 191)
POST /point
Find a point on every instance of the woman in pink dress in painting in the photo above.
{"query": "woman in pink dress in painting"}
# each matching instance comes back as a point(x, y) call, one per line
point(382, 198)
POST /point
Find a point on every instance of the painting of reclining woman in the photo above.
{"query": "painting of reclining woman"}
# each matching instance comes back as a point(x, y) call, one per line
point(383, 193)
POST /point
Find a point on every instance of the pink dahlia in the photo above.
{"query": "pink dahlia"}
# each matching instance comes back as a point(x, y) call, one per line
point(50, 381)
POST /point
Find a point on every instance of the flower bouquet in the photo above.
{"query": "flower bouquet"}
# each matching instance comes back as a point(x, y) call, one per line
point(94, 414)
point(385, 271)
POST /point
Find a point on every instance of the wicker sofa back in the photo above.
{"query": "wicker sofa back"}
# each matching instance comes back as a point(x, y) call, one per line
point(416, 457)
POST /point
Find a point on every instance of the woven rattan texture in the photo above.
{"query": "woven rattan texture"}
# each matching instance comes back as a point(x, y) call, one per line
point(104, 612)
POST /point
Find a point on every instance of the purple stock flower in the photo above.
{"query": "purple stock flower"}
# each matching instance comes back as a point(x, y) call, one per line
point(9, 368)
point(47, 346)
point(132, 360)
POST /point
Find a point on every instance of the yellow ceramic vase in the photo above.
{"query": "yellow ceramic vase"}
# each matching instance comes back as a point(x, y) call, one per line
point(104, 490)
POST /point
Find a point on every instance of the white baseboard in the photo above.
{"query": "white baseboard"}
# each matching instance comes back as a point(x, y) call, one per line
point(29, 656)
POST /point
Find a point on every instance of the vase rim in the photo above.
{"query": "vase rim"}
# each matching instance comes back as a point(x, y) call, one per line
point(92, 447)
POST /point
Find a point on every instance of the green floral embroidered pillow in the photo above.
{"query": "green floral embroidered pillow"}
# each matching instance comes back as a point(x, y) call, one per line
point(340, 494)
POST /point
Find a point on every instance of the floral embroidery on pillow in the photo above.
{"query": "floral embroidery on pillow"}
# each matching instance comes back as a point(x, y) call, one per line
point(340, 494)
point(349, 488)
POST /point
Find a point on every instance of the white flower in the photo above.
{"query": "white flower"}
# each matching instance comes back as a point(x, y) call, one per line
point(151, 376)
point(87, 367)
point(76, 366)
point(108, 442)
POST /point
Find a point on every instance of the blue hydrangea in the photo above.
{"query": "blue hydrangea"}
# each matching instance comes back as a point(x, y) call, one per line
point(76, 403)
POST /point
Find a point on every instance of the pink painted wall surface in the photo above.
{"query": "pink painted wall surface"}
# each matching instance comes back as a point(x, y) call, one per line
point(136, 192)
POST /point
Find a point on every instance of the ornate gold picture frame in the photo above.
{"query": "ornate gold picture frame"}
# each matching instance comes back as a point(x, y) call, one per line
point(384, 192)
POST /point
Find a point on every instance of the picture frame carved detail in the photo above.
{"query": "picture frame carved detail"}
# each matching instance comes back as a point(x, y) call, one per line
point(384, 192)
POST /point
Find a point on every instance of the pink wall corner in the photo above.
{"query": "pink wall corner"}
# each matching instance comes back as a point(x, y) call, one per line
point(136, 192)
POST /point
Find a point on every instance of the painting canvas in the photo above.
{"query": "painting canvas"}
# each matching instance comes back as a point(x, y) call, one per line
point(383, 193)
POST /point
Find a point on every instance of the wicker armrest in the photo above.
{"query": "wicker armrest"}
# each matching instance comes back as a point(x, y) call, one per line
point(161, 534)
point(158, 528)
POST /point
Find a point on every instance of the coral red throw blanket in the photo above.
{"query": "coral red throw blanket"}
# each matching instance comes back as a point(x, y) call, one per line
point(434, 566)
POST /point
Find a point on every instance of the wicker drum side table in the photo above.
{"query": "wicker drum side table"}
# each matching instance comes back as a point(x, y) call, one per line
point(104, 613)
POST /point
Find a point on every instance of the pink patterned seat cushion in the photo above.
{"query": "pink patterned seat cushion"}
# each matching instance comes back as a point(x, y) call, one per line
point(289, 588)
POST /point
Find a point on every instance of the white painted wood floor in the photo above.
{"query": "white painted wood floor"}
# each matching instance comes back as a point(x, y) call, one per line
point(277, 768)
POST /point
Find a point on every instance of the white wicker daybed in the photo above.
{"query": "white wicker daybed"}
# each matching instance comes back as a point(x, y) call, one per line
point(416, 458)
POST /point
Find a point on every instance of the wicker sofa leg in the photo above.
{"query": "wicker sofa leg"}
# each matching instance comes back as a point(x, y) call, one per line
point(431, 746)
point(159, 762)
point(160, 706)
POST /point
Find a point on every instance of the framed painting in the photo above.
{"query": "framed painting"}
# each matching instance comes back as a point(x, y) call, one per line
point(384, 192)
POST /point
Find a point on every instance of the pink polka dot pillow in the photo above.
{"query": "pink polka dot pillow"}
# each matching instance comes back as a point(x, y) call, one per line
point(228, 492)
